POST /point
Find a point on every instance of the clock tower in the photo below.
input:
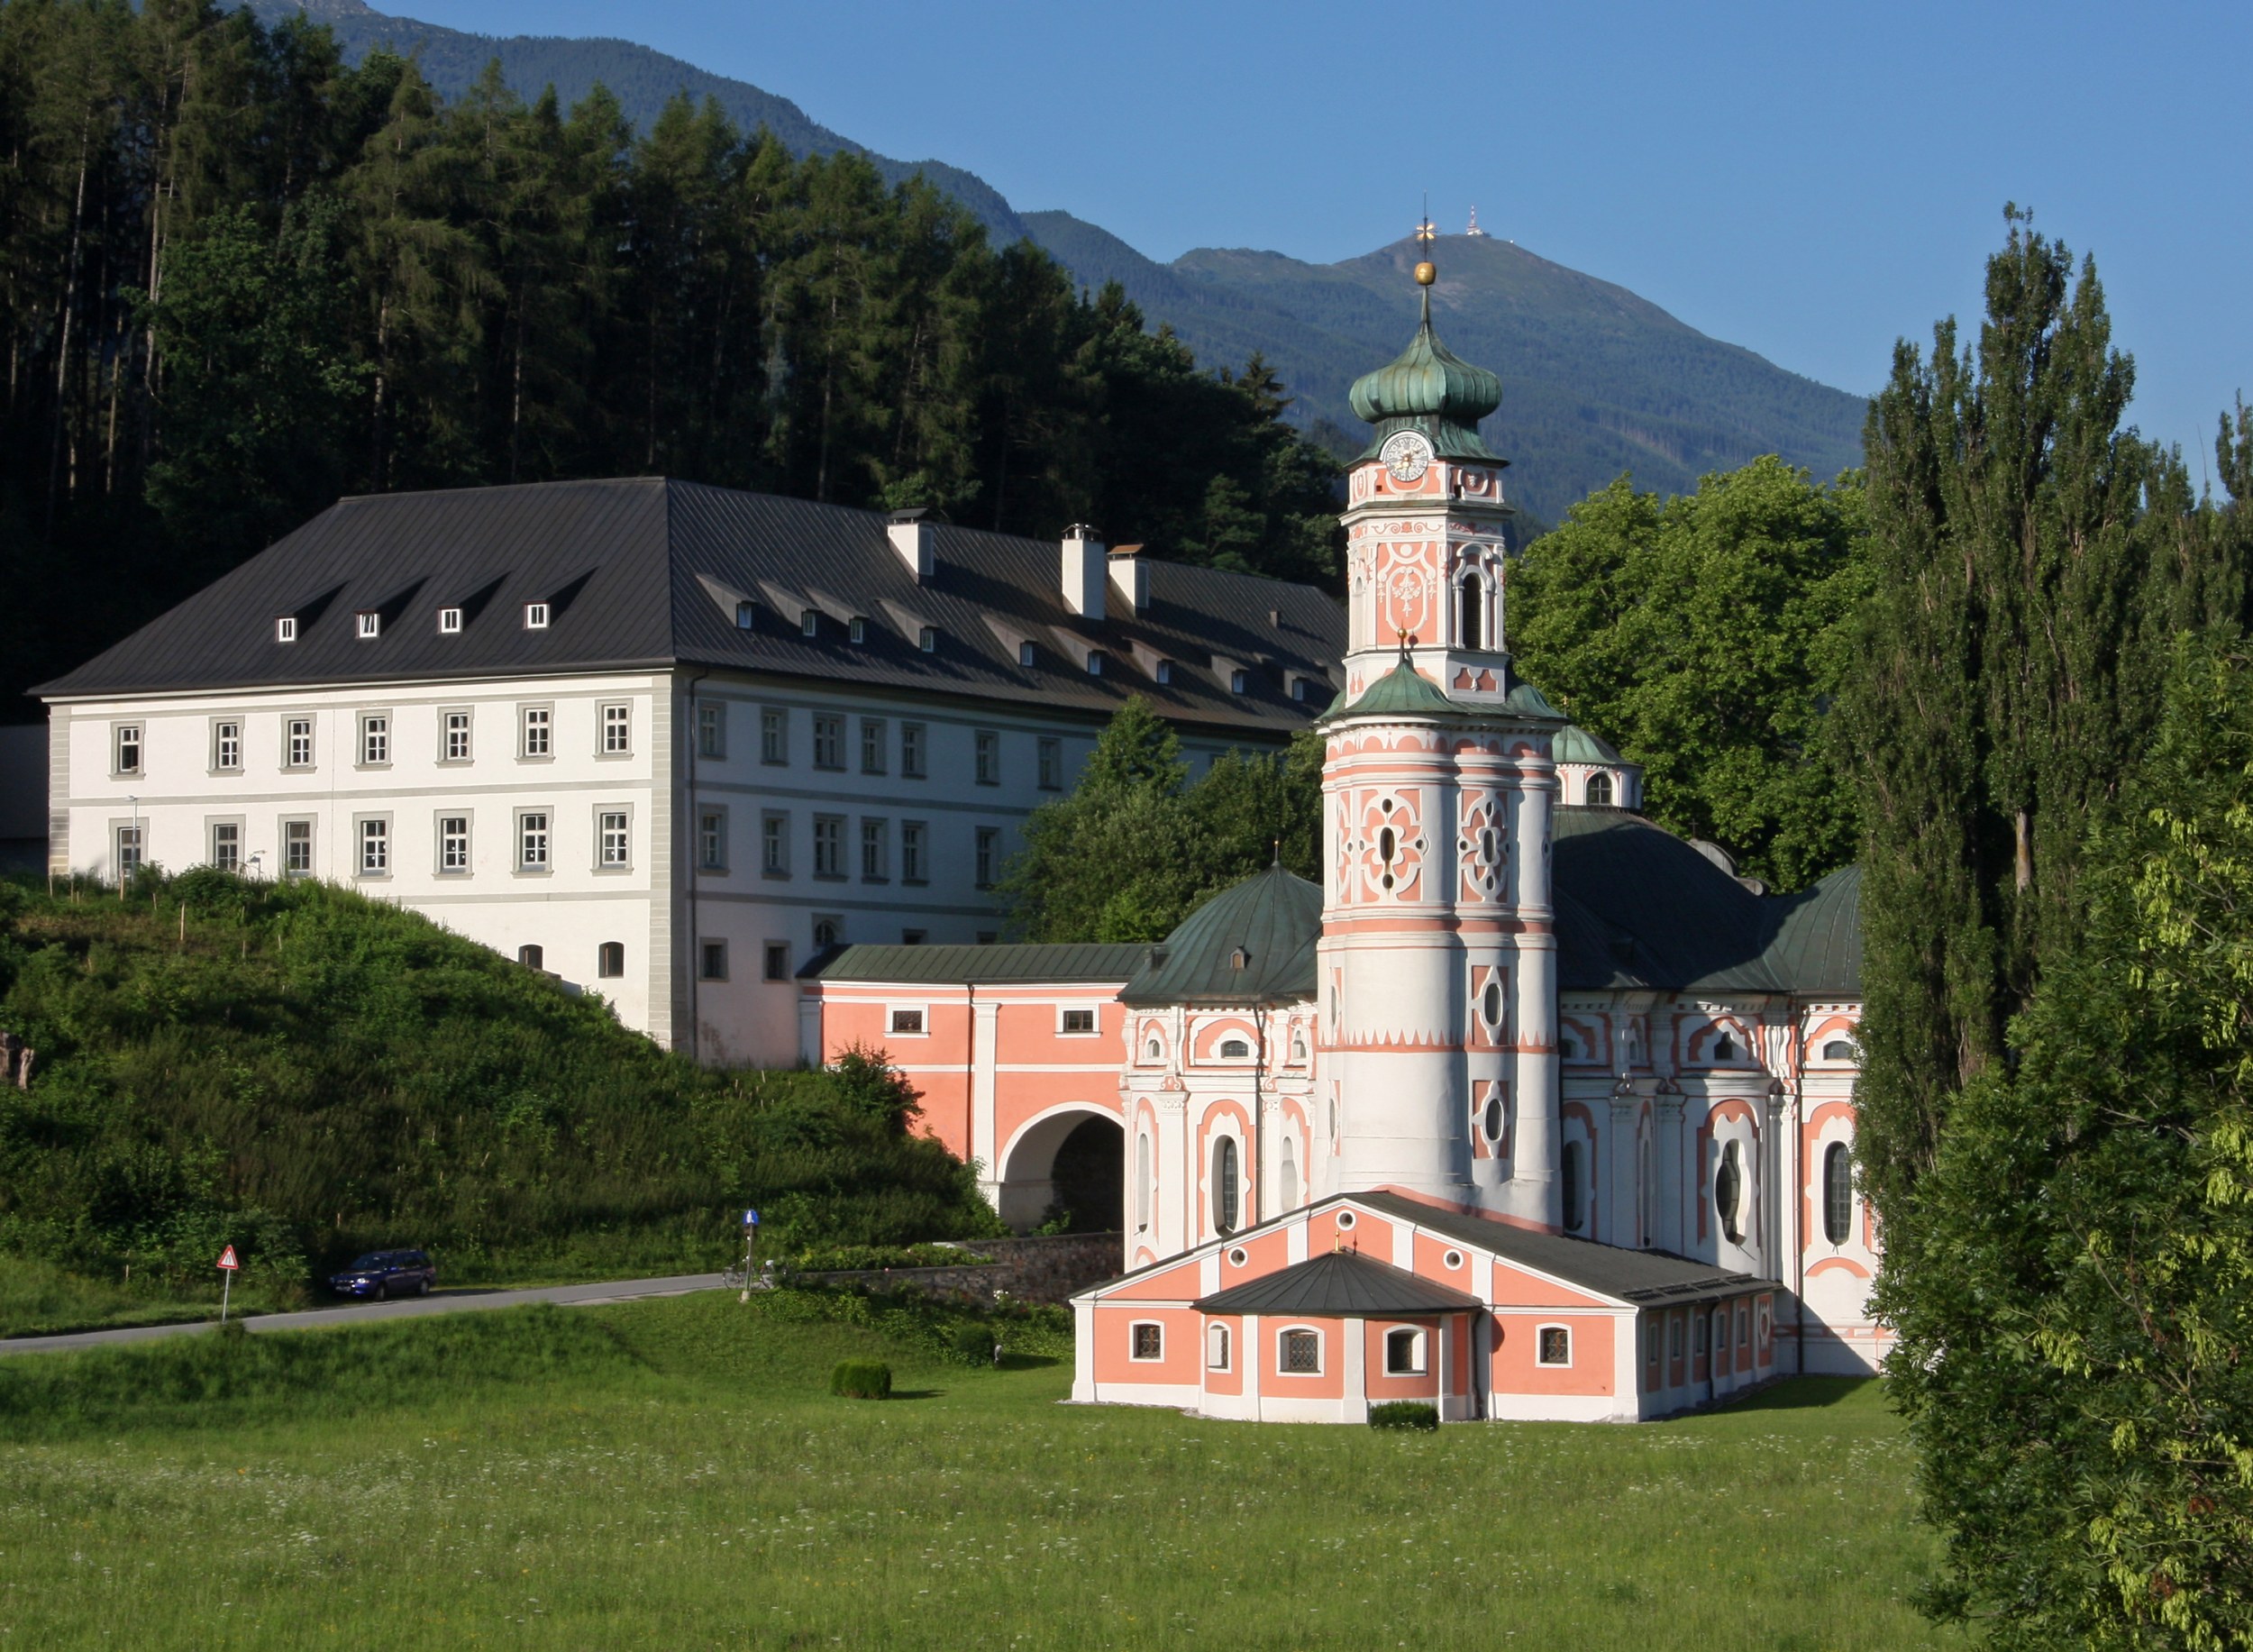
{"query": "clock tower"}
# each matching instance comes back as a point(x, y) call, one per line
point(1437, 961)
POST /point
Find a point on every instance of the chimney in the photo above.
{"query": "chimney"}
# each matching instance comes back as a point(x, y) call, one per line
point(911, 536)
point(1084, 576)
point(1130, 578)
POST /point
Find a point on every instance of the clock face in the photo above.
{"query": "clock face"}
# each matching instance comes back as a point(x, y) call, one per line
point(1406, 454)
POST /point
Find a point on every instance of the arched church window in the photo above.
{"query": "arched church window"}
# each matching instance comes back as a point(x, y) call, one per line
point(1298, 1049)
point(1568, 1047)
point(1599, 790)
point(1839, 1049)
point(1154, 1049)
point(1473, 626)
point(1141, 1180)
point(1837, 1193)
point(1568, 1172)
point(1234, 1049)
point(1224, 1184)
point(1216, 1349)
point(1728, 1194)
point(1290, 1178)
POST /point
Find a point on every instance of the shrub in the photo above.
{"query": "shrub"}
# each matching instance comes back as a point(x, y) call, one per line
point(1404, 1414)
point(843, 1258)
point(861, 1379)
point(974, 1342)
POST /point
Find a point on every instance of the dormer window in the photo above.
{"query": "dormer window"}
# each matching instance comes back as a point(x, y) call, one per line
point(1025, 654)
point(1095, 663)
point(535, 616)
point(1298, 689)
point(449, 622)
point(927, 639)
point(1165, 672)
point(746, 612)
point(1239, 959)
point(809, 622)
point(285, 628)
point(857, 629)
point(1236, 681)
point(369, 625)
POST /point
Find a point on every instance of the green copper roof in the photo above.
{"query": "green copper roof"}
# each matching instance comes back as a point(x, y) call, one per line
point(1428, 387)
point(1252, 943)
point(1403, 690)
point(1574, 744)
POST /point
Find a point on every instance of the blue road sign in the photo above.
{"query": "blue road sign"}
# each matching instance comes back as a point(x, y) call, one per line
point(750, 1218)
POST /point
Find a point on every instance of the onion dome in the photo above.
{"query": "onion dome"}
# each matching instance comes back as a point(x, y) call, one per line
point(1430, 388)
point(1252, 943)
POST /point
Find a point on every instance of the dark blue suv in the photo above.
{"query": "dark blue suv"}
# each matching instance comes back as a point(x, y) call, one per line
point(387, 1273)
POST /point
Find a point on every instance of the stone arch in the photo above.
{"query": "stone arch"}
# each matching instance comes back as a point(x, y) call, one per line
point(1072, 1156)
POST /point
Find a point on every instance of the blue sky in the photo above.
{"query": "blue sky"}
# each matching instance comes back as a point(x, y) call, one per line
point(1812, 182)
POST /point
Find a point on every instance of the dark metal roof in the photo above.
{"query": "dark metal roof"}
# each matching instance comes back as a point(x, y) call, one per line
point(646, 572)
point(977, 965)
point(1640, 1277)
point(1345, 1283)
point(1252, 943)
point(1817, 937)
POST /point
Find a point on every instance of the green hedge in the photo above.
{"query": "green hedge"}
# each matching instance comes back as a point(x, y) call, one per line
point(861, 1379)
point(1404, 1414)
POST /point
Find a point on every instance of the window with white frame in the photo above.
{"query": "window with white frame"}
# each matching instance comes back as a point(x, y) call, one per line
point(828, 741)
point(1052, 764)
point(912, 836)
point(1164, 673)
point(453, 845)
point(617, 730)
point(711, 728)
point(297, 848)
point(1553, 1345)
point(125, 749)
point(1404, 1351)
point(905, 1022)
point(1075, 1021)
point(988, 856)
point(829, 846)
point(774, 844)
point(1217, 1347)
point(298, 742)
point(535, 616)
point(914, 742)
point(712, 839)
point(872, 745)
point(927, 639)
point(809, 622)
point(1026, 655)
point(285, 628)
point(1237, 682)
point(449, 621)
point(613, 842)
point(875, 851)
point(226, 745)
point(774, 734)
point(1148, 1341)
point(129, 851)
point(746, 616)
point(454, 730)
point(1599, 790)
point(226, 845)
point(1298, 1352)
point(1226, 1193)
point(531, 840)
point(539, 732)
point(857, 629)
point(375, 848)
point(371, 625)
point(1235, 1049)
point(987, 748)
point(375, 740)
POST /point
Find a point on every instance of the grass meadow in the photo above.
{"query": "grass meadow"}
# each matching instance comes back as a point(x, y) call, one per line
point(675, 1473)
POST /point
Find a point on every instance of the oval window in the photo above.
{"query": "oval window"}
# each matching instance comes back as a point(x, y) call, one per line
point(1344, 1218)
point(1490, 1003)
point(1238, 1257)
point(1224, 1184)
point(1728, 1191)
point(1493, 1121)
point(1486, 845)
point(1453, 1259)
point(1387, 846)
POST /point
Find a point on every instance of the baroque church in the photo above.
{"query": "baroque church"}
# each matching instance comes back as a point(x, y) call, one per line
point(1532, 1110)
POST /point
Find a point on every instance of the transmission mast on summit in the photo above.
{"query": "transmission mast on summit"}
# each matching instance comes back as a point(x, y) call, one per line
point(1474, 229)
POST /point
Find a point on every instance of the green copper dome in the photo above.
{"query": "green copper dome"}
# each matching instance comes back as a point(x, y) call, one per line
point(1428, 387)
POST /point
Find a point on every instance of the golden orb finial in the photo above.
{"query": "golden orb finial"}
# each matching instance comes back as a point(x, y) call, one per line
point(1427, 273)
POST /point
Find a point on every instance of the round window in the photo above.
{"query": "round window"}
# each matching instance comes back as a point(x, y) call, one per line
point(1238, 1257)
point(1493, 1120)
point(1344, 1218)
point(1453, 1259)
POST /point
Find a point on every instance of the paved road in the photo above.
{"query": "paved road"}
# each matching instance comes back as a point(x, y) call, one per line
point(444, 1301)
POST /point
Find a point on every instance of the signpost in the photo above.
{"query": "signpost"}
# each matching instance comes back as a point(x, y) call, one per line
point(228, 1268)
point(751, 1252)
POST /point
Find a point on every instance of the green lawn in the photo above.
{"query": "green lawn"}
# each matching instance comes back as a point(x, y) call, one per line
point(674, 1473)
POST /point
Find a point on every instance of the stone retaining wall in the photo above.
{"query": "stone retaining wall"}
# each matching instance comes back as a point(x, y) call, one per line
point(1047, 1268)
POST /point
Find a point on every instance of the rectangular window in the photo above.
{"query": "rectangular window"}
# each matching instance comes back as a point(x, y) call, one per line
point(774, 844)
point(531, 841)
point(875, 852)
point(711, 728)
point(989, 854)
point(449, 621)
point(714, 965)
point(455, 726)
point(774, 734)
point(375, 848)
point(1149, 1341)
point(539, 727)
point(454, 842)
point(299, 743)
point(1300, 1353)
point(712, 839)
point(370, 625)
point(778, 961)
point(610, 960)
point(617, 730)
point(829, 846)
point(127, 753)
point(226, 845)
point(535, 616)
point(912, 834)
point(989, 763)
point(907, 1021)
point(226, 745)
point(1553, 1345)
point(872, 745)
point(375, 741)
point(913, 738)
point(286, 629)
point(828, 742)
point(1077, 1021)
point(129, 851)
point(297, 848)
point(610, 836)
point(1052, 764)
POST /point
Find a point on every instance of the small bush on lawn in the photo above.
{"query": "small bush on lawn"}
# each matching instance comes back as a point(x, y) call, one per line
point(1404, 1414)
point(861, 1379)
point(974, 1342)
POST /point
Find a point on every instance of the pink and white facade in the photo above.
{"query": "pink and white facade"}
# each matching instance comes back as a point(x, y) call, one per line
point(1530, 1111)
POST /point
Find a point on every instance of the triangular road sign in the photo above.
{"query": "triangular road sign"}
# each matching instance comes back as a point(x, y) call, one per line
point(227, 1261)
